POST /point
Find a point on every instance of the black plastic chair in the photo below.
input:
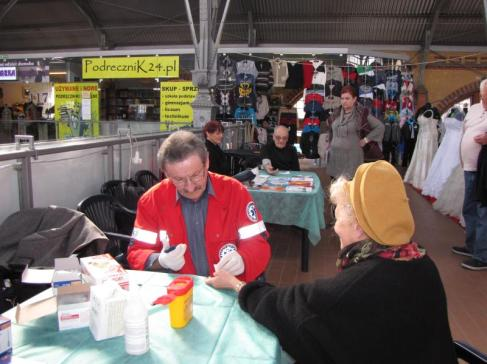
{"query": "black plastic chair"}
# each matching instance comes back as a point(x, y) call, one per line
point(102, 210)
point(127, 194)
point(469, 354)
point(146, 179)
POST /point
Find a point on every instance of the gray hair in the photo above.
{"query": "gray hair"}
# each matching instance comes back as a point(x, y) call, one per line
point(179, 146)
point(340, 194)
point(483, 84)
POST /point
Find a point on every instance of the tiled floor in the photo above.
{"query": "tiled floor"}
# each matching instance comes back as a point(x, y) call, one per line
point(466, 290)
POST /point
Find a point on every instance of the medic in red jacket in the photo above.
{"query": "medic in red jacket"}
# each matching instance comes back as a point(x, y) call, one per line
point(232, 223)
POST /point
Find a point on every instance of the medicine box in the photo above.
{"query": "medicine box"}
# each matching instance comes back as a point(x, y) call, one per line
point(73, 306)
point(108, 302)
point(5, 340)
point(99, 268)
point(67, 271)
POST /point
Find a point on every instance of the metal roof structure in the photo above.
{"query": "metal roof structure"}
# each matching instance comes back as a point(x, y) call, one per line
point(117, 25)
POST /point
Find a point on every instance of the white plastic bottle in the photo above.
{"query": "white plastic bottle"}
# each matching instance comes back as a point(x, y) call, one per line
point(136, 325)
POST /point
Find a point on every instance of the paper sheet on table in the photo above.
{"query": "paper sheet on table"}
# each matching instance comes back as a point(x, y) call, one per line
point(37, 276)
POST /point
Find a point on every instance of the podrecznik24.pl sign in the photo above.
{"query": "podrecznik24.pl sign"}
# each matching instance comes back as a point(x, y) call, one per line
point(131, 67)
point(8, 73)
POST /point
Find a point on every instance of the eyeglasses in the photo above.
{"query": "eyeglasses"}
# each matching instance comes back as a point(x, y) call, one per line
point(283, 138)
point(194, 179)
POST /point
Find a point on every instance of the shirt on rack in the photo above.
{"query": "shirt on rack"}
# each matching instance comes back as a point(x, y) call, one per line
point(242, 113)
point(334, 73)
point(295, 76)
point(308, 71)
point(262, 107)
point(279, 72)
point(264, 80)
point(247, 66)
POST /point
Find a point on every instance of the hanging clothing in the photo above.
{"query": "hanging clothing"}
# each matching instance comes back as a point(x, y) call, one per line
point(446, 158)
point(424, 152)
point(279, 72)
point(247, 66)
point(450, 198)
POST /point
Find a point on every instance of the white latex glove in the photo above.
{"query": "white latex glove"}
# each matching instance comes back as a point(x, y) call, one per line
point(174, 260)
point(232, 263)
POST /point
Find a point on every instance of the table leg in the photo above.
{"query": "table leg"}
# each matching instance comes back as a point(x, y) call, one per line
point(304, 250)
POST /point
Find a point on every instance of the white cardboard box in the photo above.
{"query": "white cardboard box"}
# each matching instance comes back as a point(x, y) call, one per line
point(66, 272)
point(108, 302)
point(100, 268)
point(73, 306)
point(5, 340)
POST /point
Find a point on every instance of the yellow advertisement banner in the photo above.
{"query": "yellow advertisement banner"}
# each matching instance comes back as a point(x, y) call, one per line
point(76, 110)
point(176, 109)
point(131, 67)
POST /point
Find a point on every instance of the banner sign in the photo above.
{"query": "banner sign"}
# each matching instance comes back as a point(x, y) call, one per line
point(8, 73)
point(131, 67)
point(176, 109)
point(76, 109)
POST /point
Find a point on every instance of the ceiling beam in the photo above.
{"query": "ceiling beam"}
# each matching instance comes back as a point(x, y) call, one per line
point(86, 10)
point(4, 11)
point(428, 37)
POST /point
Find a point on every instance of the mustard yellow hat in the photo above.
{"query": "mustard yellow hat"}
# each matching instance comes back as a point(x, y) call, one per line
point(380, 203)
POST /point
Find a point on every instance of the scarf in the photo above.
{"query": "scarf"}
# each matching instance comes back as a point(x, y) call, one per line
point(367, 249)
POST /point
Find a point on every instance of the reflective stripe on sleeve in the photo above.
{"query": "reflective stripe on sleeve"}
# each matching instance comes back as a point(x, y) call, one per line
point(144, 236)
point(248, 231)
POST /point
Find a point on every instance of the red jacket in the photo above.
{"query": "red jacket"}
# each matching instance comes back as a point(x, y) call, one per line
point(232, 222)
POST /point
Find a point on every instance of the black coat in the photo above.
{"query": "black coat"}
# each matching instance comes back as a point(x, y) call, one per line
point(481, 180)
point(376, 311)
point(285, 159)
point(219, 161)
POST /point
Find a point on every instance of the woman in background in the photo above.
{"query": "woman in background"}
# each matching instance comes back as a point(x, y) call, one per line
point(346, 122)
point(219, 162)
point(386, 304)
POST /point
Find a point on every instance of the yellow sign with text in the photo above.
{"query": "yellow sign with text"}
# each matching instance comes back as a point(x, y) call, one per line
point(176, 109)
point(131, 67)
point(76, 109)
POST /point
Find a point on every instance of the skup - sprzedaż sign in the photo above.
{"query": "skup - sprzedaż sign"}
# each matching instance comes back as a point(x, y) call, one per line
point(8, 73)
point(131, 67)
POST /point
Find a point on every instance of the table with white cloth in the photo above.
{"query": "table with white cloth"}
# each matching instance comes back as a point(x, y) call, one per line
point(302, 209)
point(220, 332)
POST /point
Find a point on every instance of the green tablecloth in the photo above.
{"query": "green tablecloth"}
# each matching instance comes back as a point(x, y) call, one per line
point(220, 332)
point(303, 209)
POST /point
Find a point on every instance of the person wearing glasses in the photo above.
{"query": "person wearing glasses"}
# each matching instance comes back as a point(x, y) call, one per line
point(278, 154)
point(195, 221)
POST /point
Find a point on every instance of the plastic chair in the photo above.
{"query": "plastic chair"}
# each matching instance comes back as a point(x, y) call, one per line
point(146, 179)
point(101, 210)
point(127, 194)
point(469, 354)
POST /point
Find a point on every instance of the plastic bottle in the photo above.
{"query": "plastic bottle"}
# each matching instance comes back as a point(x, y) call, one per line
point(136, 324)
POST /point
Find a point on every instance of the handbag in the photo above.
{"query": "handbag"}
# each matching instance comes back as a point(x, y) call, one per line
point(372, 150)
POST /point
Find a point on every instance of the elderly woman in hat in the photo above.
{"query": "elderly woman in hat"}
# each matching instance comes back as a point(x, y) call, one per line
point(386, 304)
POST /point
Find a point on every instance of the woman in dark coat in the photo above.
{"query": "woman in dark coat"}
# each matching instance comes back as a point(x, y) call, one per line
point(385, 305)
point(219, 161)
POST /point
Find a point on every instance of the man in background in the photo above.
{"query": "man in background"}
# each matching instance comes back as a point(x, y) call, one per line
point(475, 215)
point(278, 154)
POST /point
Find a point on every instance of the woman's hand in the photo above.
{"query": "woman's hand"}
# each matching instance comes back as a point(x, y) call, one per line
point(363, 142)
point(223, 279)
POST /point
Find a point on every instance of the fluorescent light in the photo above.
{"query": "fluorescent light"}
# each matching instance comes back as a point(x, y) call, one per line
point(58, 73)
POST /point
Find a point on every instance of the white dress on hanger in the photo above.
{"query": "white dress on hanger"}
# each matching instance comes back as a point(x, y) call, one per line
point(426, 147)
point(450, 199)
point(446, 158)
